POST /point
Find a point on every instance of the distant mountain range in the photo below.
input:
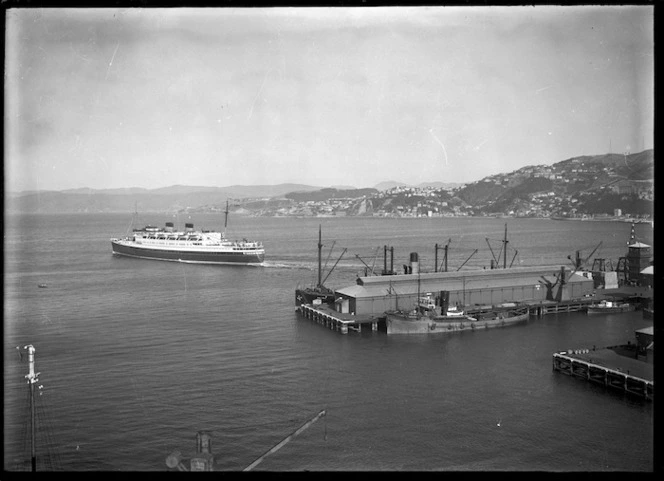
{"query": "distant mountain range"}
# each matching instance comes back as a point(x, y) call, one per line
point(497, 193)
point(164, 199)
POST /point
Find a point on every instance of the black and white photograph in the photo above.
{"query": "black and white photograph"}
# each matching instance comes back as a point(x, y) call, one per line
point(335, 238)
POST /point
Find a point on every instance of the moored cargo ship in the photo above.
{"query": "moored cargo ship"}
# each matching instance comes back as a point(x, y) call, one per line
point(416, 322)
point(192, 246)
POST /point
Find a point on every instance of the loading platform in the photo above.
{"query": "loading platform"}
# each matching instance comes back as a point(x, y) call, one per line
point(338, 321)
point(606, 367)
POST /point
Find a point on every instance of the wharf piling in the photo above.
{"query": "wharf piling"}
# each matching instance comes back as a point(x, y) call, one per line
point(338, 321)
point(608, 369)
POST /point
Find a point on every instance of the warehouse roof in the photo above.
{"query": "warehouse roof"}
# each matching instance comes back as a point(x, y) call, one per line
point(646, 330)
point(639, 245)
point(470, 280)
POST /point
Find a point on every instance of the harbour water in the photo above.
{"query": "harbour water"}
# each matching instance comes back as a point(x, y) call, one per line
point(136, 356)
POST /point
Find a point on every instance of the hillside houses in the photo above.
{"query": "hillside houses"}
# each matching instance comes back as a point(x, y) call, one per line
point(644, 189)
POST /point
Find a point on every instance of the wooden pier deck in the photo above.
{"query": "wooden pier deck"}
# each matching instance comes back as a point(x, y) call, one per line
point(338, 321)
point(606, 367)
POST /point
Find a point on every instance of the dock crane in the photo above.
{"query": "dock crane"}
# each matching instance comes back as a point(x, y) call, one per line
point(370, 269)
point(321, 283)
point(464, 263)
point(503, 252)
point(445, 247)
point(335, 265)
point(560, 282)
point(578, 264)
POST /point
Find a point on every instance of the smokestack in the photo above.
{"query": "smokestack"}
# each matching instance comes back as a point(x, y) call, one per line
point(169, 227)
point(414, 263)
point(189, 227)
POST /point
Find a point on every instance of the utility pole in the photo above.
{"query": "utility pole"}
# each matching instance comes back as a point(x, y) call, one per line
point(505, 250)
point(32, 379)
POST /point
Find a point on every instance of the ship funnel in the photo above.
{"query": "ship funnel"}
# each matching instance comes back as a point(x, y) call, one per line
point(169, 227)
point(414, 264)
point(188, 227)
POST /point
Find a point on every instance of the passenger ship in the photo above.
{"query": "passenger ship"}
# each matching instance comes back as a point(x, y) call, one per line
point(200, 247)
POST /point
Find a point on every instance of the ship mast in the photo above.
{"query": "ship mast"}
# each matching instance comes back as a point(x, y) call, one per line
point(32, 379)
point(226, 219)
point(505, 249)
point(320, 246)
point(445, 247)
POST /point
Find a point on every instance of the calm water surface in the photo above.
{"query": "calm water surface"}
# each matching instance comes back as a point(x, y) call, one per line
point(136, 356)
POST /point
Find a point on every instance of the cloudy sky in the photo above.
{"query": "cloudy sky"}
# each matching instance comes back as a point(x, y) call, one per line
point(114, 98)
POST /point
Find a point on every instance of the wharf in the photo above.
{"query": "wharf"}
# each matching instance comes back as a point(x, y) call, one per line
point(606, 367)
point(338, 321)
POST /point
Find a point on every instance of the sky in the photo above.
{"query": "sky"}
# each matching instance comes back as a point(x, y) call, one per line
point(118, 98)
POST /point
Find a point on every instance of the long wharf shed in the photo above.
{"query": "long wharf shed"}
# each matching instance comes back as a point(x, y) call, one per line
point(373, 295)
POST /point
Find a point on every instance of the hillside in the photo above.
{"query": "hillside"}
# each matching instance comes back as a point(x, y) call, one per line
point(596, 184)
point(585, 185)
point(328, 194)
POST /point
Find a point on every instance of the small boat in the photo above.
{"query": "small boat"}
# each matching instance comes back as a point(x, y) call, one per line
point(193, 246)
point(43, 286)
point(608, 307)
